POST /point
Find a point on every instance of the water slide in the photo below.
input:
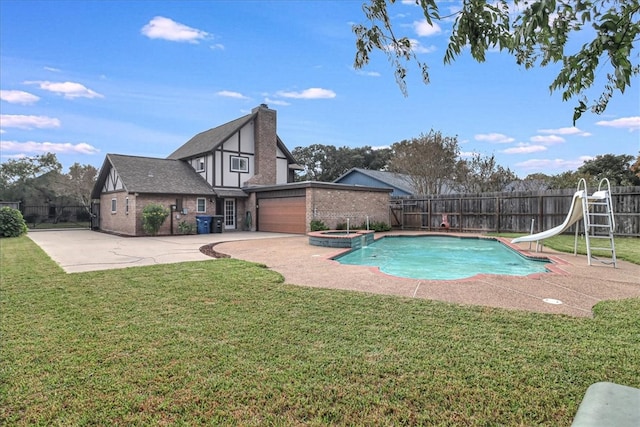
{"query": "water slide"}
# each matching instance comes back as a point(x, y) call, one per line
point(574, 215)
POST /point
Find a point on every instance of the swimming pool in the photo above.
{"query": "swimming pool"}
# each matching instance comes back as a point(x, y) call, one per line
point(442, 257)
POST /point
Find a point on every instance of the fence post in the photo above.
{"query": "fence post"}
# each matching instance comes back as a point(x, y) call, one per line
point(497, 214)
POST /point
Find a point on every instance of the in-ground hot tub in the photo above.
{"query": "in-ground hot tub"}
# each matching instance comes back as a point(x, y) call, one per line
point(353, 239)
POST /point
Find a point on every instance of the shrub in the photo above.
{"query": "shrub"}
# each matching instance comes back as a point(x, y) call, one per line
point(317, 225)
point(12, 223)
point(153, 217)
point(185, 227)
point(379, 226)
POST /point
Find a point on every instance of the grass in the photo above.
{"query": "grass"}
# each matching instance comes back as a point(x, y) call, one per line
point(627, 248)
point(226, 342)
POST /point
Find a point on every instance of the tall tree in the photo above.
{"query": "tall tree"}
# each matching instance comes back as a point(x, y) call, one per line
point(326, 162)
point(484, 174)
point(17, 176)
point(615, 168)
point(430, 160)
point(536, 33)
point(76, 185)
point(635, 168)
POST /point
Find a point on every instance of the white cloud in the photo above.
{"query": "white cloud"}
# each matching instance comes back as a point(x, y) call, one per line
point(494, 138)
point(18, 97)
point(168, 29)
point(28, 122)
point(565, 131)
point(231, 94)
point(48, 147)
point(424, 29)
point(524, 148)
point(418, 48)
point(547, 139)
point(52, 69)
point(311, 93)
point(69, 90)
point(552, 164)
point(276, 102)
point(631, 123)
point(217, 46)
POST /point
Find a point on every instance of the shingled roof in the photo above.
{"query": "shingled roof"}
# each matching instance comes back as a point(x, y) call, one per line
point(152, 176)
point(206, 141)
point(386, 179)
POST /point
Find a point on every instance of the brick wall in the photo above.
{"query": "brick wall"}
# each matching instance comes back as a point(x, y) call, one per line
point(265, 141)
point(131, 224)
point(334, 206)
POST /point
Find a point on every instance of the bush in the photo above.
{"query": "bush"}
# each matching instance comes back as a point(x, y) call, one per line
point(379, 226)
point(153, 217)
point(12, 223)
point(317, 225)
point(185, 227)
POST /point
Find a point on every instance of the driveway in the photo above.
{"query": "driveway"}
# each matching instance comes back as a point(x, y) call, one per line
point(85, 250)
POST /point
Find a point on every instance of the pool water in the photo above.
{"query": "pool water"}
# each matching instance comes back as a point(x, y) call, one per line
point(442, 257)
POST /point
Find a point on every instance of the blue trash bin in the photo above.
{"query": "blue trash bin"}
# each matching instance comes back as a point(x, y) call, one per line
point(204, 224)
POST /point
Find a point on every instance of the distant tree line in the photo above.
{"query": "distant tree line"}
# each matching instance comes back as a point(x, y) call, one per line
point(40, 180)
point(434, 165)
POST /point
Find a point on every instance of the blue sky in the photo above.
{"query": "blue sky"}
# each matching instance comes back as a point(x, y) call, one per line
point(83, 79)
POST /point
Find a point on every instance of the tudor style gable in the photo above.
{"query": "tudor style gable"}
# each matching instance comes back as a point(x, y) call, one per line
point(244, 152)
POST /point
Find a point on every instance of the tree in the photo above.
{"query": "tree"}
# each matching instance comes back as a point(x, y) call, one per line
point(535, 182)
point(430, 160)
point(570, 179)
point(327, 163)
point(17, 176)
point(635, 168)
point(536, 33)
point(484, 174)
point(77, 184)
point(616, 168)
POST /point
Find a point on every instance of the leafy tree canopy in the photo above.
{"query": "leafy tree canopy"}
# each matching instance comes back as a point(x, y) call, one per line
point(616, 168)
point(536, 33)
point(327, 163)
point(431, 160)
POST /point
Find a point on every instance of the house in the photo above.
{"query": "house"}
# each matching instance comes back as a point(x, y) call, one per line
point(400, 183)
point(240, 172)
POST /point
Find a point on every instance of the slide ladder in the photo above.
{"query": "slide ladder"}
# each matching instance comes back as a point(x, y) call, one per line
point(599, 223)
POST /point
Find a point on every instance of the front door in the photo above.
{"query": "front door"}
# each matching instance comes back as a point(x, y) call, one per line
point(230, 214)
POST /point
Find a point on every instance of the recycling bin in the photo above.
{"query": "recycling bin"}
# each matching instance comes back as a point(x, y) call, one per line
point(217, 223)
point(204, 224)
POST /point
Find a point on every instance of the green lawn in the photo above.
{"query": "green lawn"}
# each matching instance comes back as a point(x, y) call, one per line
point(627, 248)
point(226, 342)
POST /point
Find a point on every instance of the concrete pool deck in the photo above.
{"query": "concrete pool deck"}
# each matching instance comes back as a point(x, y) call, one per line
point(578, 286)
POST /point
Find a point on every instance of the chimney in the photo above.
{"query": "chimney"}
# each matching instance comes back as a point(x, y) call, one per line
point(266, 142)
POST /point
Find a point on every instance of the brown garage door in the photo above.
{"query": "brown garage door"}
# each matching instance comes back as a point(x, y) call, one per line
point(282, 215)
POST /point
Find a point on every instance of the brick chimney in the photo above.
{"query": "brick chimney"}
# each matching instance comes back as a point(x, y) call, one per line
point(266, 143)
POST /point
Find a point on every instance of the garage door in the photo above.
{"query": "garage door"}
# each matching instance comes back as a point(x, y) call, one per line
point(282, 215)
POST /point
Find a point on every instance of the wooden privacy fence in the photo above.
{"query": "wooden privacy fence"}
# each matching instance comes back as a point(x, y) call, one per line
point(508, 212)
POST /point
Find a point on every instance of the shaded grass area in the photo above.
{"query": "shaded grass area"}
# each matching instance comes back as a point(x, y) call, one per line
point(627, 248)
point(226, 342)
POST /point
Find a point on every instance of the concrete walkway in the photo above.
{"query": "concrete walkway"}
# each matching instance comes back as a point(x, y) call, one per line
point(84, 250)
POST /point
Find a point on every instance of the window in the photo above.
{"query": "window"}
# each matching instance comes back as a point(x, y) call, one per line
point(239, 164)
point(114, 205)
point(126, 206)
point(201, 204)
point(200, 164)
